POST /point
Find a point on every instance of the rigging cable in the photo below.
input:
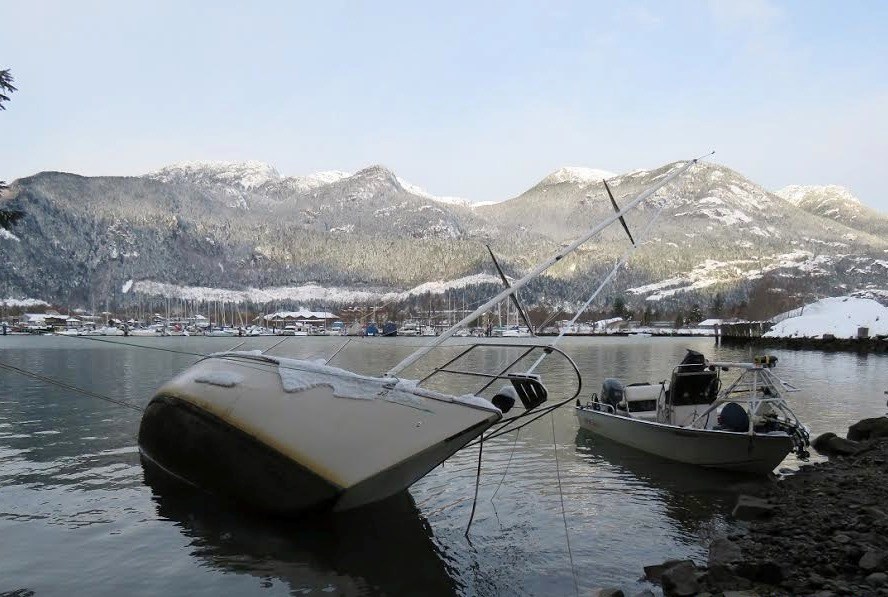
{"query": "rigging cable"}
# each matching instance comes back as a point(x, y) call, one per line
point(537, 415)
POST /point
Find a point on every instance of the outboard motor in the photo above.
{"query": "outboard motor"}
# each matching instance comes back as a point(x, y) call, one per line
point(612, 392)
point(768, 361)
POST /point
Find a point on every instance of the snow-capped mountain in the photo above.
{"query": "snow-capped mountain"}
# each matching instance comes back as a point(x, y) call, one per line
point(822, 197)
point(836, 203)
point(239, 178)
point(302, 184)
point(420, 192)
point(706, 201)
point(245, 228)
point(243, 175)
point(576, 175)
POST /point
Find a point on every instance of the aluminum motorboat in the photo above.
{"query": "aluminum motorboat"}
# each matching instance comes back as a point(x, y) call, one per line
point(747, 426)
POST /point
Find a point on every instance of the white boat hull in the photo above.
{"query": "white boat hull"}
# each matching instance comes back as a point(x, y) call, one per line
point(144, 332)
point(231, 426)
point(758, 453)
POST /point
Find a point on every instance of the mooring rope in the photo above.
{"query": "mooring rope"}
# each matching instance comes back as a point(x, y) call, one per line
point(477, 484)
point(145, 346)
point(573, 570)
point(508, 464)
point(68, 386)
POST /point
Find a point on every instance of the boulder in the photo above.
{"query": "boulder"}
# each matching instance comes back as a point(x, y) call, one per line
point(867, 429)
point(752, 508)
point(607, 592)
point(680, 579)
point(767, 572)
point(877, 579)
point(721, 577)
point(872, 560)
point(830, 444)
point(874, 513)
point(724, 551)
point(655, 573)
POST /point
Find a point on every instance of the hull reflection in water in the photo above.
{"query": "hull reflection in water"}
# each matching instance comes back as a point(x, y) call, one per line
point(692, 496)
point(385, 548)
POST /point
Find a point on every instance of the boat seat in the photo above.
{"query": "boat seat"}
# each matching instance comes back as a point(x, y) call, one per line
point(697, 387)
point(529, 389)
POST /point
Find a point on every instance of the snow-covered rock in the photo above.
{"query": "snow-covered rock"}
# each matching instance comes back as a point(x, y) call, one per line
point(839, 316)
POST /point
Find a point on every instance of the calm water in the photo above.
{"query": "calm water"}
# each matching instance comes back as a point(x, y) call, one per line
point(77, 516)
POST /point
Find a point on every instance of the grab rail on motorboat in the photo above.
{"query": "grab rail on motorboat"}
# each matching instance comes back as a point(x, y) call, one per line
point(528, 386)
point(595, 404)
point(762, 392)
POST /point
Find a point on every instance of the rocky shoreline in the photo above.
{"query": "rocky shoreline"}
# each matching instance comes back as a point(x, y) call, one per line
point(822, 531)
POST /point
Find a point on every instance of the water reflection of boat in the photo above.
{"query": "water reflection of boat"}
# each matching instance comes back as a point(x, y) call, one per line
point(382, 549)
point(692, 497)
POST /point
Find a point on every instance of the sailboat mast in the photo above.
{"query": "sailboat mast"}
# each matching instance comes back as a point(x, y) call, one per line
point(622, 261)
point(514, 297)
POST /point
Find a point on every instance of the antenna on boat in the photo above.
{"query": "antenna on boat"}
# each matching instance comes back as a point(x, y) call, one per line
point(513, 296)
point(540, 268)
point(617, 209)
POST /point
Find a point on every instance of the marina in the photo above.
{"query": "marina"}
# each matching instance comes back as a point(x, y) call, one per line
point(73, 489)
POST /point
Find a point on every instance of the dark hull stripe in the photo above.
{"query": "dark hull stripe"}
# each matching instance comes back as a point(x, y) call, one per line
point(189, 443)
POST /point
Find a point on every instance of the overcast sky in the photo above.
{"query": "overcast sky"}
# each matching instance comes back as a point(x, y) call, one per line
point(473, 99)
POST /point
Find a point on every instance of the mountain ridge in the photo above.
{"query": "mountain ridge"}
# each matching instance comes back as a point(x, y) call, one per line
point(243, 225)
